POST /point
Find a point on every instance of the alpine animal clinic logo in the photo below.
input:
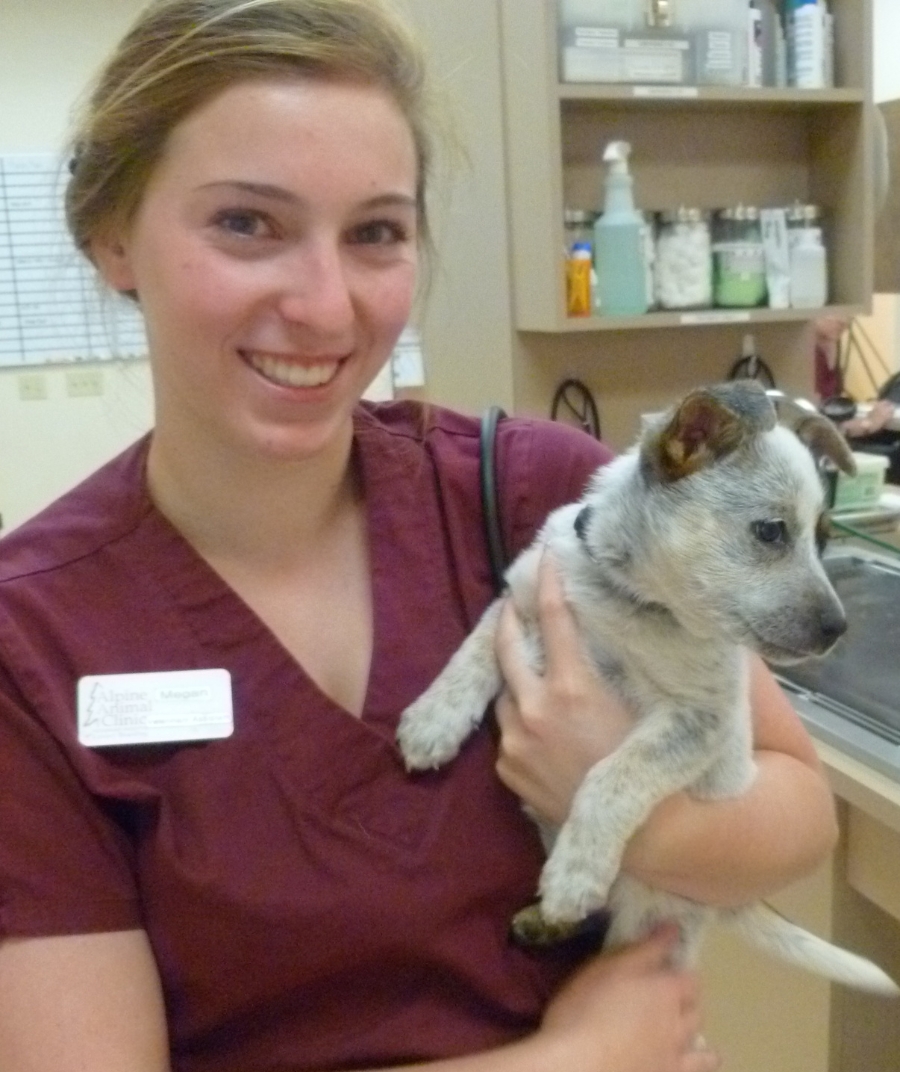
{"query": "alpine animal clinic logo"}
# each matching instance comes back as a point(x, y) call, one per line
point(173, 705)
point(115, 708)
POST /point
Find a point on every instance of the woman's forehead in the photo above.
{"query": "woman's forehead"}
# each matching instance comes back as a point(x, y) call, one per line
point(276, 126)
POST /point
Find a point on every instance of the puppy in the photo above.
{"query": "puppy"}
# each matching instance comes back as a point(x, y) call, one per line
point(701, 542)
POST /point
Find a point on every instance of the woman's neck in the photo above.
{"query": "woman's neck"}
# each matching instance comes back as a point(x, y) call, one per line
point(239, 506)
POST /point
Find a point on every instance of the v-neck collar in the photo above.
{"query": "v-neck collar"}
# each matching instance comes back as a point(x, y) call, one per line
point(409, 579)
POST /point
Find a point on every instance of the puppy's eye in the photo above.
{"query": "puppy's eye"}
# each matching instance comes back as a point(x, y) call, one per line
point(772, 530)
point(823, 533)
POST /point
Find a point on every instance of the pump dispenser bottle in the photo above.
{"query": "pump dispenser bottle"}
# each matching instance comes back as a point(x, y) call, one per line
point(619, 240)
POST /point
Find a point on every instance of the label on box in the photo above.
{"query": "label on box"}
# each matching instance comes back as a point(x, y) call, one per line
point(670, 92)
point(592, 37)
point(724, 317)
point(605, 54)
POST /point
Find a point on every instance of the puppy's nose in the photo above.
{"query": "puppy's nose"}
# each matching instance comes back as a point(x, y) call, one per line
point(832, 626)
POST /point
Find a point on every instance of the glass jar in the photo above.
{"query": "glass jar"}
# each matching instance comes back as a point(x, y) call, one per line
point(683, 269)
point(739, 264)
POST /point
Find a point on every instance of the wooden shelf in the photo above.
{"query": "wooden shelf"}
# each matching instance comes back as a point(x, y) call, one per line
point(687, 96)
point(699, 318)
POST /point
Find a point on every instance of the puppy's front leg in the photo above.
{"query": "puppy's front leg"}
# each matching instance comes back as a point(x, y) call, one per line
point(434, 727)
point(667, 751)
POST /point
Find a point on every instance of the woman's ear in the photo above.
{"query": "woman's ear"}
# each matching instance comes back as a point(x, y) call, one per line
point(109, 252)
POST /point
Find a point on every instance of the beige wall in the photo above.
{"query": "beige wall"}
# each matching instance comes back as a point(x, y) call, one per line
point(48, 50)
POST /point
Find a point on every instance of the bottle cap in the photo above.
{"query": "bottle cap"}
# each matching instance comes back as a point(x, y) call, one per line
point(739, 212)
point(803, 215)
point(684, 214)
point(616, 155)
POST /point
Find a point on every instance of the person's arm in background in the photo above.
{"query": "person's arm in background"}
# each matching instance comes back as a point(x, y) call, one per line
point(93, 1002)
point(724, 852)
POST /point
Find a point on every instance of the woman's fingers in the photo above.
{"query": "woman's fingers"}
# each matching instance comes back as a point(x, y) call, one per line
point(563, 657)
point(509, 644)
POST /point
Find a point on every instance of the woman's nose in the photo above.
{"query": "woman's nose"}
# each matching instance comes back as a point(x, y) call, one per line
point(315, 290)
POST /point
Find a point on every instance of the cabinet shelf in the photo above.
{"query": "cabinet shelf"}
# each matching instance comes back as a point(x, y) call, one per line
point(657, 96)
point(698, 318)
point(706, 146)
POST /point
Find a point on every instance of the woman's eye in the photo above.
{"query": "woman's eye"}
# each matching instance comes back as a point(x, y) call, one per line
point(771, 530)
point(380, 233)
point(244, 223)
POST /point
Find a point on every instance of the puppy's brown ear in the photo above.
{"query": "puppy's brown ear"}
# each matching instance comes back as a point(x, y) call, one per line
point(824, 440)
point(701, 430)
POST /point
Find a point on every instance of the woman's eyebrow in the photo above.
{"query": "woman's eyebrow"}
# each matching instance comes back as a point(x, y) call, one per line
point(279, 193)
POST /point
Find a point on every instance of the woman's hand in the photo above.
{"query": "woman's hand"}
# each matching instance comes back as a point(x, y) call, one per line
point(553, 727)
point(728, 851)
point(630, 1012)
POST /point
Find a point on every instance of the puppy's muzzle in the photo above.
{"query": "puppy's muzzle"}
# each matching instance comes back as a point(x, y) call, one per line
point(831, 627)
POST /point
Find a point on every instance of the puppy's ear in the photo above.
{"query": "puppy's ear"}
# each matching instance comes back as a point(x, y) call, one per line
point(824, 440)
point(702, 429)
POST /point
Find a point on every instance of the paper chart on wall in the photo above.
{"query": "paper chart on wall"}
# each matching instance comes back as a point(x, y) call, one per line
point(53, 307)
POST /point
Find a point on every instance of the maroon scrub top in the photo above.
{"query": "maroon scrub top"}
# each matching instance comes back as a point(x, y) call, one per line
point(309, 903)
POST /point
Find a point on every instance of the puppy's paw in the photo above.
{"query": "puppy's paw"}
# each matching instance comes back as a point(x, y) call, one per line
point(431, 732)
point(531, 928)
point(575, 883)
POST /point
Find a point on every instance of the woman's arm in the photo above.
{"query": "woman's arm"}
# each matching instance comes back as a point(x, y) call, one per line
point(724, 852)
point(78, 1002)
point(93, 1002)
point(752, 845)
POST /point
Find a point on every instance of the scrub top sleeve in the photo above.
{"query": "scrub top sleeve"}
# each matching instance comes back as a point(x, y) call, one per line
point(543, 465)
point(64, 862)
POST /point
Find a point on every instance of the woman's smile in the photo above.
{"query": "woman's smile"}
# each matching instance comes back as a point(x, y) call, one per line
point(288, 371)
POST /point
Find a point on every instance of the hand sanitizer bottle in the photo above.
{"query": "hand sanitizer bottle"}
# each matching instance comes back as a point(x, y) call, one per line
point(619, 241)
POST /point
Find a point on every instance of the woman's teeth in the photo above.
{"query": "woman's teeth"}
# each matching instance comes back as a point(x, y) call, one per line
point(290, 374)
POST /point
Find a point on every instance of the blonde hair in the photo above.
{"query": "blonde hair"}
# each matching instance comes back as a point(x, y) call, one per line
point(181, 53)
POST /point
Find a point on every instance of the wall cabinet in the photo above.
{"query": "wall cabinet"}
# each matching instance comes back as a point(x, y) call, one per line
point(703, 146)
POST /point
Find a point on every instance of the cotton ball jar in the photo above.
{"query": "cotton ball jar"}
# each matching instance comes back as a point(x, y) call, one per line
point(683, 270)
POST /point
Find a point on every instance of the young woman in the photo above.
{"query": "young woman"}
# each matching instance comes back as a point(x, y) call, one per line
point(287, 898)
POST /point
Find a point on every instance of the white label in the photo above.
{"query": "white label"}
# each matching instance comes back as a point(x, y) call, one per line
point(154, 708)
point(665, 91)
point(715, 318)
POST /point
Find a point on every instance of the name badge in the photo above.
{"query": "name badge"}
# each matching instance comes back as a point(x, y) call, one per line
point(154, 708)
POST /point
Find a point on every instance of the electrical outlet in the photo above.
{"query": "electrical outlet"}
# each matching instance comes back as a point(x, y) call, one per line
point(32, 386)
point(84, 383)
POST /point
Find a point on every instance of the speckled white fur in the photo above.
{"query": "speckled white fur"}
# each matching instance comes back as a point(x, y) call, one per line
point(669, 584)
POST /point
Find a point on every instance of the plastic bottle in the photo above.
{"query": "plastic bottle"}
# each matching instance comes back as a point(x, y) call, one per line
point(809, 270)
point(619, 240)
point(807, 44)
point(754, 45)
point(579, 301)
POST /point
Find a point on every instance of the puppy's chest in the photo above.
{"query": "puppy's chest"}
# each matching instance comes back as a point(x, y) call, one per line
point(649, 658)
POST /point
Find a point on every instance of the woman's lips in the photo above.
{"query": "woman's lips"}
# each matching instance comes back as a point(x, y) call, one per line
point(288, 372)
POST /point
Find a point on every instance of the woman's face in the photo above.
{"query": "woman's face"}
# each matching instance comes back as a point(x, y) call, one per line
point(274, 257)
